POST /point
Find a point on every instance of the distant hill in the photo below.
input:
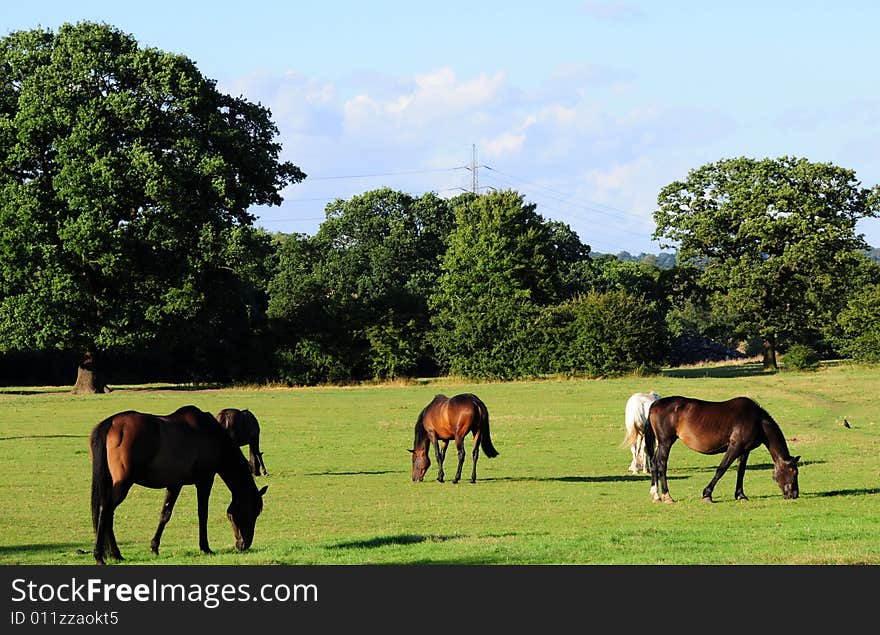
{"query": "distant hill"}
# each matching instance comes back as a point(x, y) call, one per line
point(663, 260)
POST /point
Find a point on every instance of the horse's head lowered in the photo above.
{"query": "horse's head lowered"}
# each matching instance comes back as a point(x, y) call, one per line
point(420, 462)
point(242, 513)
point(785, 473)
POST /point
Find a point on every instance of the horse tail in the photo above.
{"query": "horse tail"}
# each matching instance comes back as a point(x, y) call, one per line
point(101, 480)
point(649, 442)
point(632, 432)
point(485, 436)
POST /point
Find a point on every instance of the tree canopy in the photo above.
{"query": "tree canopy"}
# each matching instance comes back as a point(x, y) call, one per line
point(774, 241)
point(355, 295)
point(125, 183)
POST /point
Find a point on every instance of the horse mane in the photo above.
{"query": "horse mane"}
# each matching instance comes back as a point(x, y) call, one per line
point(421, 436)
point(772, 431)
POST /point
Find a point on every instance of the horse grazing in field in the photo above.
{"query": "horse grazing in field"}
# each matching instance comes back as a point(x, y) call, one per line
point(186, 447)
point(443, 420)
point(244, 429)
point(635, 420)
point(735, 427)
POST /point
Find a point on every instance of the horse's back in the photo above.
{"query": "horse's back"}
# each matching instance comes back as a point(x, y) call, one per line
point(451, 417)
point(706, 426)
point(158, 450)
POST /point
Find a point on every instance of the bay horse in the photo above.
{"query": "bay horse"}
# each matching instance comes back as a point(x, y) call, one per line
point(735, 427)
point(635, 420)
point(186, 447)
point(244, 429)
point(446, 419)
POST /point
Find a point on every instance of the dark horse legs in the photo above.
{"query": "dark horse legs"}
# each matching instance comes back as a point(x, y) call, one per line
point(733, 451)
point(459, 446)
point(440, 447)
point(661, 459)
point(476, 455)
point(203, 493)
point(658, 471)
point(164, 516)
point(440, 454)
point(105, 538)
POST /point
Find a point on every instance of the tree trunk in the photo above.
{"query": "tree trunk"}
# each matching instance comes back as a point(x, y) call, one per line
point(768, 344)
point(89, 378)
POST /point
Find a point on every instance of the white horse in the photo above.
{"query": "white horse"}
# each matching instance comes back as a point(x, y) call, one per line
point(637, 408)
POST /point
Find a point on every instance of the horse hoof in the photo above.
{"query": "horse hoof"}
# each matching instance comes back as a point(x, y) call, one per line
point(708, 499)
point(668, 499)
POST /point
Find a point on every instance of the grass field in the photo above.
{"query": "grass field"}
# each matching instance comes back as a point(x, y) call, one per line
point(558, 493)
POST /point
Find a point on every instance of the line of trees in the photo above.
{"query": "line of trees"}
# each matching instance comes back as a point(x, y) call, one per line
point(125, 183)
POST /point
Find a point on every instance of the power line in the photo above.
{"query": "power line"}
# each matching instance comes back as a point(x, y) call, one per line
point(592, 207)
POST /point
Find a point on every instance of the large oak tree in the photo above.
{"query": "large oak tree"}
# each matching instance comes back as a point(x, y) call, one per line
point(125, 183)
point(774, 241)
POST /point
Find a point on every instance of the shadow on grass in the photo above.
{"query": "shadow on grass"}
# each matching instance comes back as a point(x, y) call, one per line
point(624, 478)
point(865, 491)
point(357, 473)
point(694, 469)
point(54, 548)
point(749, 369)
point(400, 539)
point(54, 390)
point(46, 436)
point(170, 387)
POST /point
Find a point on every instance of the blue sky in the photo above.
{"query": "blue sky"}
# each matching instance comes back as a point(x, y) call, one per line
point(587, 107)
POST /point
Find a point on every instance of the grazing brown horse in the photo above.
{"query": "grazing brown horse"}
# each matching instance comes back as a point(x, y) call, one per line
point(244, 429)
point(735, 427)
point(186, 447)
point(443, 420)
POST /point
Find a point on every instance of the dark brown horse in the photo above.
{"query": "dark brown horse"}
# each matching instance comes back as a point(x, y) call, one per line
point(446, 419)
point(186, 447)
point(734, 427)
point(244, 429)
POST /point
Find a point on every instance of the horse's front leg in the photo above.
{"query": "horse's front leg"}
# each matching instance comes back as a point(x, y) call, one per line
point(440, 456)
point(164, 516)
point(203, 491)
point(731, 454)
point(739, 494)
point(459, 446)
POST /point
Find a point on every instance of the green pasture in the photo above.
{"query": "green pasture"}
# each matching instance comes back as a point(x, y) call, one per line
point(559, 492)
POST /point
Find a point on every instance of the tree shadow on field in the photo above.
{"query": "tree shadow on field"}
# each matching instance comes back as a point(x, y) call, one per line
point(749, 369)
point(357, 473)
point(46, 436)
point(866, 491)
point(623, 478)
point(52, 548)
point(400, 539)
